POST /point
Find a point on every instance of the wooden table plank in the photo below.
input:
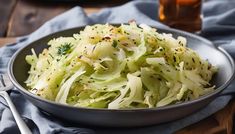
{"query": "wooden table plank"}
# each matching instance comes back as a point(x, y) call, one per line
point(6, 8)
point(219, 123)
point(29, 15)
point(4, 41)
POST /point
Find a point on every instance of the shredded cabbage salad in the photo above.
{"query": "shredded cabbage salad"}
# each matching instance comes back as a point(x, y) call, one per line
point(122, 67)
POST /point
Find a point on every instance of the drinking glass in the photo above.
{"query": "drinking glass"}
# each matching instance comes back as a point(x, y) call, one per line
point(181, 14)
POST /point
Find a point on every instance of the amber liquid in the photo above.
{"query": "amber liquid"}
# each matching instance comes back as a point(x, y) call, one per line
point(181, 14)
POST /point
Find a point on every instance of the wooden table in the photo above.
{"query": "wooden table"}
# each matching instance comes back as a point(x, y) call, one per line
point(21, 17)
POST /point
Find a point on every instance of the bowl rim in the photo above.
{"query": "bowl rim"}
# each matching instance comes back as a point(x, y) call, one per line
point(162, 108)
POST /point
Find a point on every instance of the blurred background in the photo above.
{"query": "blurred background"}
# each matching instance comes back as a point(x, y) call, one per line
point(21, 17)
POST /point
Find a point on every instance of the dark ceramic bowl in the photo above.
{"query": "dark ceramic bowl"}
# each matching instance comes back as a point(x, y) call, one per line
point(18, 72)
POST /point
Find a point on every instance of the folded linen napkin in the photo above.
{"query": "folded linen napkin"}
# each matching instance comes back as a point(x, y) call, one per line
point(218, 26)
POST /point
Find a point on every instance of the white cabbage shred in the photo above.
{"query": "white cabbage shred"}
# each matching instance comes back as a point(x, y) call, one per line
point(129, 66)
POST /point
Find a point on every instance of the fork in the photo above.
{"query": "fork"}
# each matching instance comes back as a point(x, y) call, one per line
point(5, 85)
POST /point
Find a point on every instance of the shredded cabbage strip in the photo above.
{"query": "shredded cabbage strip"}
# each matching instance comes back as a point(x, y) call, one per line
point(112, 67)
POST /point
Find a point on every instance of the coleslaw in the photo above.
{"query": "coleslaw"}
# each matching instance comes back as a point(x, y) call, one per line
point(112, 67)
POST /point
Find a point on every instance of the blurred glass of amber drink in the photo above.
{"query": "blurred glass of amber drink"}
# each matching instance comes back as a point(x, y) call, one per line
point(181, 14)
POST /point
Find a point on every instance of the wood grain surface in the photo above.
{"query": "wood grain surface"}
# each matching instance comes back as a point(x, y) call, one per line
point(219, 123)
point(29, 15)
point(7, 40)
point(6, 8)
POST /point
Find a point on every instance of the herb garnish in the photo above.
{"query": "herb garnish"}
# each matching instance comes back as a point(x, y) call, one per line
point(64, 49)
point(114, 43)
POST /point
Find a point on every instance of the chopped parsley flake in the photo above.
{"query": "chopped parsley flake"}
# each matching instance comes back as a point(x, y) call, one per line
point(64, 49)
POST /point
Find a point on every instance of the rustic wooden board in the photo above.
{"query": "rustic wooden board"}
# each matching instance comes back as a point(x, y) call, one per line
point(28, 16)
point(4, 41)
point(6, 8)
point(31, 14)
point(219, 123)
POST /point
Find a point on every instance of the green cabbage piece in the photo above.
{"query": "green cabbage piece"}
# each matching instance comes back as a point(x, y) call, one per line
point(119, 67)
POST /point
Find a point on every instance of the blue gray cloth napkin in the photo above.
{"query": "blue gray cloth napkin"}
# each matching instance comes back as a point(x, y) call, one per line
point(218, 26)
